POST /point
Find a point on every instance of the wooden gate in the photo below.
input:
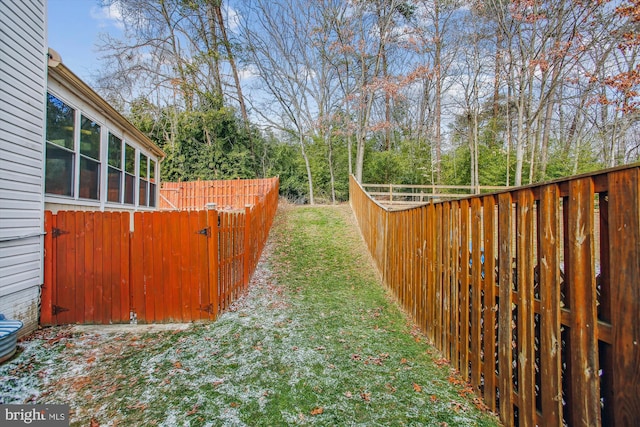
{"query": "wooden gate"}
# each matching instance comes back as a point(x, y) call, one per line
point(86, 248)
point(176, 266)
point(100, 272)
point(172, 279)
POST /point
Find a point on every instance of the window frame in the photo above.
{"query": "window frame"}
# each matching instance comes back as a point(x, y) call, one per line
point(83, 113)
point(81, 156)
point(71, 152)
point(119, 170)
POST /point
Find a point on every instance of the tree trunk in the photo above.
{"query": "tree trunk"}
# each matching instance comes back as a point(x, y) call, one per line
point(184, 85)
point(212, 47)
point(308, 166)
point(234, 70)
point(438, 95)
point(332, 179)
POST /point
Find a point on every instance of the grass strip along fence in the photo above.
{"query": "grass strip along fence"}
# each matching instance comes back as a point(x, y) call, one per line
point(533, 294)
point(107, 267)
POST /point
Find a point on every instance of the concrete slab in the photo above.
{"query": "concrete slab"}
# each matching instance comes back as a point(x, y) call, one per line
point(130, 328)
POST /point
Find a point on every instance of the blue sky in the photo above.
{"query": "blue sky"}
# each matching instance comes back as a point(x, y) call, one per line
point(73, 31)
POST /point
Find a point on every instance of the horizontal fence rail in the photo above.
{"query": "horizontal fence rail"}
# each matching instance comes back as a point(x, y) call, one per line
point(118, 267)
point(533, 294)
point(401, 195)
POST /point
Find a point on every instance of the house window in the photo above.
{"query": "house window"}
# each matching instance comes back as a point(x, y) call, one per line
point(77, 161)
point(152, 183)
point(144, 183)
point(89, 159)
point(129, 174)
point(60, 163)
point(114, 175)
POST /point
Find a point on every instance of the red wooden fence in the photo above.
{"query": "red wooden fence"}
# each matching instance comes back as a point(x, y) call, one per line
point(171, 267)
point(194, 195)
point(533, 293)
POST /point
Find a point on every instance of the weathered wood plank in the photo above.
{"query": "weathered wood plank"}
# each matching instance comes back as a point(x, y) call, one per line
point(446, 280)
point(549, 267)
point(585, 406)
point(505, 239)
point(464, 290)
point(476, 291)
point(490, 306)
point(525, 322)
point(431, 272)
point(454, 293)
point(439, 235)
point(624, 235)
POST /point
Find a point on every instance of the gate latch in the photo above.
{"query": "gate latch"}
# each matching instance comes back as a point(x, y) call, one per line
point(205, 231)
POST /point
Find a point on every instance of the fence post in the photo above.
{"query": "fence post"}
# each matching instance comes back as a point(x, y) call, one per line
point(247, 241)
point(624, 249)
point(212, 242)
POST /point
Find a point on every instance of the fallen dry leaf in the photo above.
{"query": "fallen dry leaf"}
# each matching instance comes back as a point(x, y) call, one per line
point(366, 396)
point(94, 423)
point(317, 411)
point(348, 395)
point(441, 362)
point(139, 406)
point(177, 365)
point(457, 407)
point(417, 388)
point(403, 361)
point(480, 404)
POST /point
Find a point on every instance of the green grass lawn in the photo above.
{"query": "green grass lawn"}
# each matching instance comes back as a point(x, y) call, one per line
point(316, 341)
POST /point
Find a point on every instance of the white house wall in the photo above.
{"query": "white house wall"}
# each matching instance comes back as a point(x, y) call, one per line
point(22, 112)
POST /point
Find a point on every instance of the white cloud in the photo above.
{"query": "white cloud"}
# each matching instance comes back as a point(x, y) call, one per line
point(232, 18)
point(108, 15)
point(248, 73)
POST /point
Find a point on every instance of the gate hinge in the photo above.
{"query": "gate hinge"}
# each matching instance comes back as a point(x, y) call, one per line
point(205, 231)
point(56, 309)
point(56, 232)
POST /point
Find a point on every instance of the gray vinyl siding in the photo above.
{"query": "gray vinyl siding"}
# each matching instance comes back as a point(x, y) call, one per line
point(22, 110)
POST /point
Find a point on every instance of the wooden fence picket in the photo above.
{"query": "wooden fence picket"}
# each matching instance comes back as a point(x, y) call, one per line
point(532, 292)
point(173, 266)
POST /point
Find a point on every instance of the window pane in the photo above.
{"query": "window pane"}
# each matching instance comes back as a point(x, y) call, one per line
point(60, 122)
point(143, 166)
point(89, 178)
point(59, 171)
point(129, 159)
point(152, 170)
point(89, 138)
point(142, 201)
point(129, 186)
point(115, 151)
point(152, 195)
point(113, 186)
